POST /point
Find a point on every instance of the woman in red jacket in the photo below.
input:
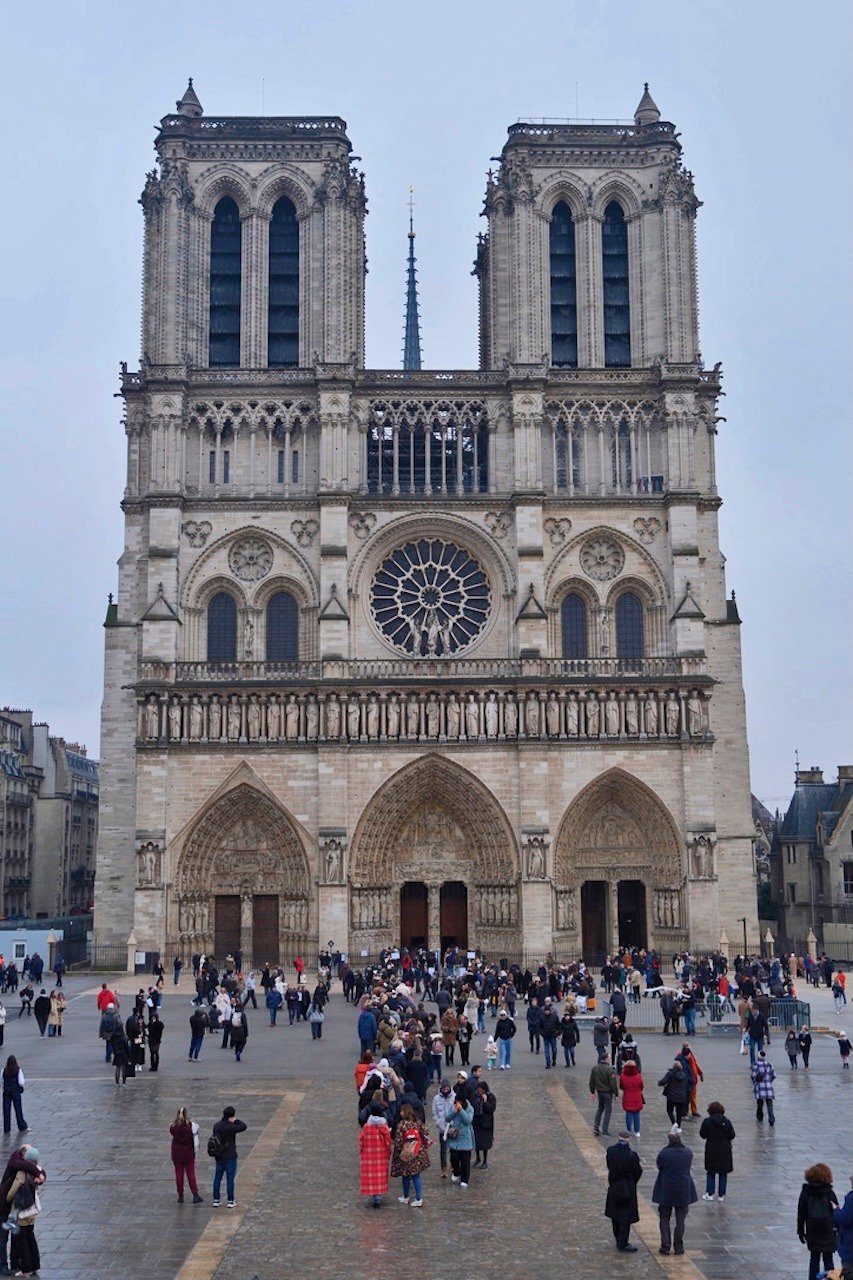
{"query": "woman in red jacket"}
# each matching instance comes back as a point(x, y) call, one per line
point(184, 1135)
point(631, 1088)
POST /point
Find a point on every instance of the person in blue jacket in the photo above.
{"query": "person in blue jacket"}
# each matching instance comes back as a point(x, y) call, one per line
point(460, 1138)
point(674, 1189)
point(844, 1222)
point(367, 1029)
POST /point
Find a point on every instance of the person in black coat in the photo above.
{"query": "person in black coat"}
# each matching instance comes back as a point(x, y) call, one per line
point(484, 1123)
point(624, 1171)
point(816, 1219)
point(674, 1189)
point(41, 1009)
point(676, 1091)
point(155, 1035)
point(417, 1073)
point(718, 1133)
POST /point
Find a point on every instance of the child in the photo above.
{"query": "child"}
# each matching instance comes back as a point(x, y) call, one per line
point(792, 1048)
point(844, 1048)
point(491, 1053)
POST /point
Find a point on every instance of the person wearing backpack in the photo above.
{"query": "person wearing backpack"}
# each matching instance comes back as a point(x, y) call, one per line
point(222, 1147)
point(815, 1218)
point(239, 1027)
point(410, 1155)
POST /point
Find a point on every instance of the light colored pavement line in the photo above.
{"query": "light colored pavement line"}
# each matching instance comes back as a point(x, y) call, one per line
point(593, 1154)
point(206, 1255)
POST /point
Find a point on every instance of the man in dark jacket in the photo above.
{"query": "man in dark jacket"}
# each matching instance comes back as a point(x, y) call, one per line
point(367, 1030)
point(844, 1223)
point(110, 1022)
point(604, 1086)
point(226, 1131)
point(41, 1008)
point(674, 1189)
point(623, 1173)
point(676, 1090)
point(199, 1022)
point(155, 1035)
point(549, 1027)
point(618, 1005)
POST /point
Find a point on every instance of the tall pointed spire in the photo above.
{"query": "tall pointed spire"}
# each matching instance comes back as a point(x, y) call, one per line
point(412, 337)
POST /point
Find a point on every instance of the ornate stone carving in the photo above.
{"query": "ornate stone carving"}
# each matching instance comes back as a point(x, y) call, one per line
point(430, 598)
point(667, 908)
point(362, 524)
point(566, 909)
point(535, 847)
point(498, 523)
point(250, 558)
point(148, 858)
point(305, 531)
point(496, 905)
point(602, 559)
point(701, 857)
point(647, 529)
point(151, 718)
point(557, 530)
point(332, 852)
point(197, 532)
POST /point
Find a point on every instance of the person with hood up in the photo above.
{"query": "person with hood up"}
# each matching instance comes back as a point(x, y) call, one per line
point(374, 1151)
point(633, 1099)
point(816, 1218)
point(674, 1189)
point(718, 1133)
point(676, 1091)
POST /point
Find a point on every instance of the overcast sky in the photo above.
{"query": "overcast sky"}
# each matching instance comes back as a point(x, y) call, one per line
point(761, 94)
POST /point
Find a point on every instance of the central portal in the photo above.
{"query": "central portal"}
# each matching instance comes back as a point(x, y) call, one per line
point(454, 915)
point(413, 915)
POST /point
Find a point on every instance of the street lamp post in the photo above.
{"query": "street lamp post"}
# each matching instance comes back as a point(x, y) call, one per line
point(743, 922)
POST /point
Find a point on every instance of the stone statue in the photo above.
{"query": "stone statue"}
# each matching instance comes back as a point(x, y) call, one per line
point(234, 718)
point(372, 717)
point(334, 862)
point(253, 718)
point(552, 716)
point(433, 716)
point(572, 716)
point(472, 717)
point(536, 858)
point(175, 720)
point(452, 717)
point(511, 716)
point(392, 717)
point(333, 719)
point(291, 718)
point(249, 638)
point(312, 719)
point(703, 858)
point(148, 865)
point(672, 715)
point(592, 716)
point(694, 715)
point(196, 719)
point(490, 713)
point(632, 716)
point(353, 718)
point(214, 719)
point(651, 715)
point(531, 715)
point(413, 716)
point(611, 716)
point(273, 719)
point(152, 718)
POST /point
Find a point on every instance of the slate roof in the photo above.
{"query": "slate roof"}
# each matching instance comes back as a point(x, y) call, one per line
point(809, 801)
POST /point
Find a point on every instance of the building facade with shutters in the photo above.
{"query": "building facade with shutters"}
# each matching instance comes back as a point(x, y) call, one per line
point(408, 656)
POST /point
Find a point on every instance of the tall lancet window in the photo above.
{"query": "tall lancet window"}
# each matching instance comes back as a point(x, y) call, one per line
point(564, 307)
point(225, 285)
point(283, 331)
point(617, 312)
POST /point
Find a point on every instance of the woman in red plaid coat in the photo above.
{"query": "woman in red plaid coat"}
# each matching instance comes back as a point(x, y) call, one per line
point(374, 1146)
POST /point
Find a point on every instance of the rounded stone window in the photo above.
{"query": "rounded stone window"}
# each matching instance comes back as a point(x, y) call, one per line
point(430, 598)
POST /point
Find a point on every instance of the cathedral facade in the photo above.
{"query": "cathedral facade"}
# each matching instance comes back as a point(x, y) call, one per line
point(405, 657)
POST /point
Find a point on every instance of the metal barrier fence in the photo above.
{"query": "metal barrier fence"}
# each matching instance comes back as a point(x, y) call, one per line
point(647, 1015)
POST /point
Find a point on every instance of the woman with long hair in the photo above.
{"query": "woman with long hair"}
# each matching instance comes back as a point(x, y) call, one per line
point(410, 1155)
point(184, 1133)
point(13, 1088)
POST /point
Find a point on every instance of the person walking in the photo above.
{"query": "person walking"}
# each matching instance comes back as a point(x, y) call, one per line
point(549, 1027)
point(120, 1054)
point(41, 1008)
point(410, 1156)
point(843, 1048)
point(374, 1153)
point(442, 1110)
point(155, 1038)
point(184, 1133)
point(674, 1189)
point(805, 1039)
point(2, 1022)
point(177, 966)
point(484, 1124)
point(844, 1223)
point(763, 1076)
point(504, 1031)
point(676, 1091)
point(600, 1037)
point(624, 1171)
point(239, 1031)
point(222, 1144)
point(449, 1030)
point(26, 994)
point(569, 1036)
point(718, 1134)
point(816, 1218)
point(694, 1075)
point(533, 1016)
point(633, 1098)
point(13, 1090)
point(460, 1139)
point(603, 1086)
point(199, 1022)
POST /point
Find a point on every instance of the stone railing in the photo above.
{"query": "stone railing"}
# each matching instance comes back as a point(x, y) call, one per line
point(357, 715)
point(384, 670)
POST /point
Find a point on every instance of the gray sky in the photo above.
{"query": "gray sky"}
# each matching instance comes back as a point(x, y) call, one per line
point(761, 94)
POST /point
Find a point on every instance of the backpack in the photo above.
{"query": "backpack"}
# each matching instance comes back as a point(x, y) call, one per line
point(215, 1146)
point(820, 1220)
point(413, 1143)
point(236, 1019)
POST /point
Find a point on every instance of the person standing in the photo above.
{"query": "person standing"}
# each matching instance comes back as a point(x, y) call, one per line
point(25, 1159)
point(844, 1223)
point(676, 1090)
point(13, 1089)
point(199, 1022)
point(120, 1054)
point(763, 1076)
point(792, 1048)
point(239, 1031)
point(374, 1154)
point(674, 1189)
point(604, 1086)
point(484, 1124)
point(449, 1030)
point(177, 966)
point(410, 1155)
point(442, 1109)
point(155, 1037)
point(59, 969)
point(816, 1218)
point(549, 1027)
point(184, 1133)
point(504, 1032)
point(843, 1048)
point(633, 1098)
point(460, 1139)
point(805, 1039)
point(623, 1173)
point(22, 1193)
point(224, 1140)
point(533, 1016)
point(718, 1133)
point(569, 1036)
point(316, 1018)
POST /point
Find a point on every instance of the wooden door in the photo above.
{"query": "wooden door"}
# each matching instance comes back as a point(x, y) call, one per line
point(265, 929)
point(226, 937)
point(594, 920)
point(454, 915)
point(413, 915)
point(632, 913)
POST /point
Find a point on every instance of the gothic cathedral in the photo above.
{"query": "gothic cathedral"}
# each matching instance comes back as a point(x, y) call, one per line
point(406, 657)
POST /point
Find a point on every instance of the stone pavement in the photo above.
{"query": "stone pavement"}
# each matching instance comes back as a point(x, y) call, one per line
point(110, 1207)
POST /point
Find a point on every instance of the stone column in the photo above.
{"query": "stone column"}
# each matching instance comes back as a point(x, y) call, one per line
point(434, 916)
point(245, 926)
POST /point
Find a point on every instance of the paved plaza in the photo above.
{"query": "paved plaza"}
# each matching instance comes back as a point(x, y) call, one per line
point(109, 1208)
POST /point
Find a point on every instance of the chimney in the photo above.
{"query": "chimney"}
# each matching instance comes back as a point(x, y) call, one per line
point(845, 774)
point(813, 775)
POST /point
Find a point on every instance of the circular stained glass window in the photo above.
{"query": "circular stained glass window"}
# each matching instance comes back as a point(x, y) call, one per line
point(430, 598)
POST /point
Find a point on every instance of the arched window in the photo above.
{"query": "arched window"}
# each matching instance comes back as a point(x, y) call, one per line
point(629, 626)
point(225, 283)
point(564, 310)
point(617, 313)
point(222, 628)
point(282, 628)
point(283, 330)
point(573, 617)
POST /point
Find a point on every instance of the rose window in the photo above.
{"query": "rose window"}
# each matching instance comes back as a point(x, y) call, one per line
point(602, 559)
point(430, 598)
point(250, 559)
